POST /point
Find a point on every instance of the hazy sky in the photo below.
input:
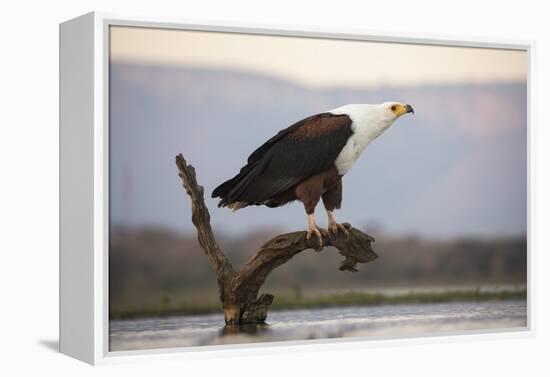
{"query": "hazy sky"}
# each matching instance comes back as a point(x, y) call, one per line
point(319, 62)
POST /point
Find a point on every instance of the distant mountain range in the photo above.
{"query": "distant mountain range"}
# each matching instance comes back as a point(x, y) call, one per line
point(457, 167)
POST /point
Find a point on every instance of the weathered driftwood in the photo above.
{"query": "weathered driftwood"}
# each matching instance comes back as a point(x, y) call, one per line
point(239, 289)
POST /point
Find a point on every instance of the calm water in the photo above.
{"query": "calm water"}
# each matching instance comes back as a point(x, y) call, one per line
point(376, 321)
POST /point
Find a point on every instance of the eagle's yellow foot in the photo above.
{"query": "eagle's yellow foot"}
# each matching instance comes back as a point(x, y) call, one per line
point(313, 230)
point(334, 227)
point(317, 233)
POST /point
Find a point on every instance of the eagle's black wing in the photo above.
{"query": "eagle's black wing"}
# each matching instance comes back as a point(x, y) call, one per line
point(302, 150)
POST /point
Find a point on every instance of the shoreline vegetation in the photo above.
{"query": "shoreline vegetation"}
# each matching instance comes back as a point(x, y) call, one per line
point(292, 302)
point(160, 273)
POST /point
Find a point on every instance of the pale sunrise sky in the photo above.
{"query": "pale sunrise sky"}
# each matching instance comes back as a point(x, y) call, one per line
point(319, 62)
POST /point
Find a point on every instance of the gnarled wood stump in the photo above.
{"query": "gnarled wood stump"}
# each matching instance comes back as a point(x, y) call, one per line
point(239, 289)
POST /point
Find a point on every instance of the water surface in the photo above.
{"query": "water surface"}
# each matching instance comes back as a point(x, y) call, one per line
point(365, 321)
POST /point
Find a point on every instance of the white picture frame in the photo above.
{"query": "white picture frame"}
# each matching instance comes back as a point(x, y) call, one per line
point(84, 156)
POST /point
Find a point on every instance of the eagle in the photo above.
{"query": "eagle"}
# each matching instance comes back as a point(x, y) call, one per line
point(306, 162)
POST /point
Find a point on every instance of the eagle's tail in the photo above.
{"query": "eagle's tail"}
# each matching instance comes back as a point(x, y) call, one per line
point(231, 190)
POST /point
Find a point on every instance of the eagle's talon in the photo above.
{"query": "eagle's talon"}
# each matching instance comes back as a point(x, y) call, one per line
point(344, 228)
point(318, 234)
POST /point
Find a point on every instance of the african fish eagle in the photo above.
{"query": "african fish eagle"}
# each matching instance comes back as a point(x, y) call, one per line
point(307, 161)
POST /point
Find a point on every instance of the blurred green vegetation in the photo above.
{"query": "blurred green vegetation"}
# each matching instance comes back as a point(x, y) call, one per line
point(283, 302)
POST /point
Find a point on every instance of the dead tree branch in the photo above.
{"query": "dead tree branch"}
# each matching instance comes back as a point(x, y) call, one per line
point(239, 289)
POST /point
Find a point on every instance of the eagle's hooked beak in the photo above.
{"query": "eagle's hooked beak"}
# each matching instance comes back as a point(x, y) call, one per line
point(409, 109)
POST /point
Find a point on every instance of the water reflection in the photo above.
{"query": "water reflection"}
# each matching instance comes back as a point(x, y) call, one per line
point(248, 329)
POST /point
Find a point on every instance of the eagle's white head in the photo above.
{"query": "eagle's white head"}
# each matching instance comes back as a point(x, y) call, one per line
point(373, 119)
point(390, 111)
point(368, 122)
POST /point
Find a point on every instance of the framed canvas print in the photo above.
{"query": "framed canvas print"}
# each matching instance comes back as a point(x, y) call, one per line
point(227, 188)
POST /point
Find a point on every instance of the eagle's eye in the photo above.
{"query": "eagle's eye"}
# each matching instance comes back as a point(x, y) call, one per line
point(393, 108)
